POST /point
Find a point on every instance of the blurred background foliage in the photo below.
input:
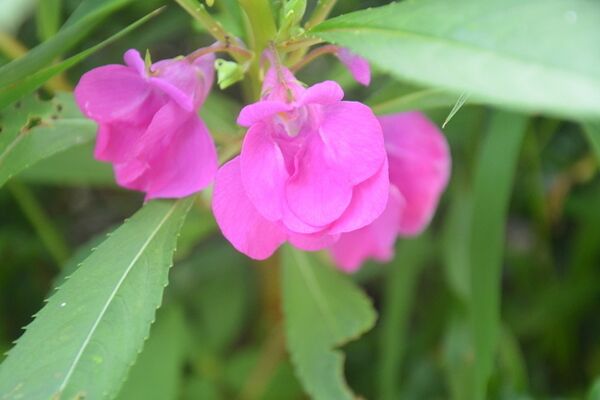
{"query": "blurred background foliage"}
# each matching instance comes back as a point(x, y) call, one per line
point(219, 334)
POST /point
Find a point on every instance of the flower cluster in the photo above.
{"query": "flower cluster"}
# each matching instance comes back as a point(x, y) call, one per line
point(314, 170)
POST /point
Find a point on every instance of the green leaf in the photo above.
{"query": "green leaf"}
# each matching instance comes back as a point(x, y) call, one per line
point(323, 311)
point(594, 393)
point(412, 99)
point(82, 343)
point(536, 55)
point(491, 195)
point(156, 373)
point(11, 90)
point(401, 283)
point(48, 18)
point(85, 18)
point(34, 129)
point(592, 131)
point(224, 276)
point(74, 166)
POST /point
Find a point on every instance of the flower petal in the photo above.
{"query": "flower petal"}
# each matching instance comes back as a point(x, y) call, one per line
point(372, 241)
point(326, 92)
point(187, 165)
point(317, 193)
point(111, 92)
point(256, 112)
point(419, 166)
point(116, 142)
point(369, 200)
point(358, 66)
point(353, 140)
point(239, 221)
point(263, 171)
point(312, 242)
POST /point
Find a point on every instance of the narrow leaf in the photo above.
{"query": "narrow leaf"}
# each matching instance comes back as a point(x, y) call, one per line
point(82, 343)
point(536, 55)
point(323, 310)
point(36, 129)
point(491, 194)
point(86, 17)
point(15, 89)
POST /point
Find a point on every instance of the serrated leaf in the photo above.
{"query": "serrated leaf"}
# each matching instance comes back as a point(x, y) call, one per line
point(156, 373)
point(323, 311)
point(535, 55)
point(84, 340)
point(492, 186)
point(11, 90)
point(34, 129)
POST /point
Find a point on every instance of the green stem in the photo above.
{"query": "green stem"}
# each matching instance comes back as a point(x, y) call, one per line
point(47, 232)
point(261, 31)
point(321, 12)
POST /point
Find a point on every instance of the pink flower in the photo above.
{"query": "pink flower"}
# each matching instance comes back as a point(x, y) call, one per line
point(149, 128)
point(311, 168)
point(419, 160)
point(358, 66)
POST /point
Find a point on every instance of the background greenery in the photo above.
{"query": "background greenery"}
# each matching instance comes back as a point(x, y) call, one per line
point(498, 299)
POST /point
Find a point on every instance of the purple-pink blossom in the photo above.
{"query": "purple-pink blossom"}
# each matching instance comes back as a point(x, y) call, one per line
point(419, 168)
point(312, 167)
point(149, 127)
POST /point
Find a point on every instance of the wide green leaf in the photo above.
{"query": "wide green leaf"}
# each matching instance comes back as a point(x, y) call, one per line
point(156, 373)
point(491, 194)
point(536, 55)
point(82, 343)
point(34, 129)
point(323, 310)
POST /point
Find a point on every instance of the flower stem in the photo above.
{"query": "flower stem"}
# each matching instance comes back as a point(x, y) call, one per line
point(321, 12)
point(261, 31)
point(310, 57)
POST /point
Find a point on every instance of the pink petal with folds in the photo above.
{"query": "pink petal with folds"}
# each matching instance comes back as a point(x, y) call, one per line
point(353, 140)
point(312, 242)
point(358, 66)
point(419, 166)
point(111, 92)
point(116, 142)
point(263, 171)
point(372, 241)
point(239, 221)
point(317, 193)
point(326, 92)
point(369, 200)
point(131, 174)
point(178, 79)
point(295, 224)
point(205, 67)
point(186, 165)
point(256, 112)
